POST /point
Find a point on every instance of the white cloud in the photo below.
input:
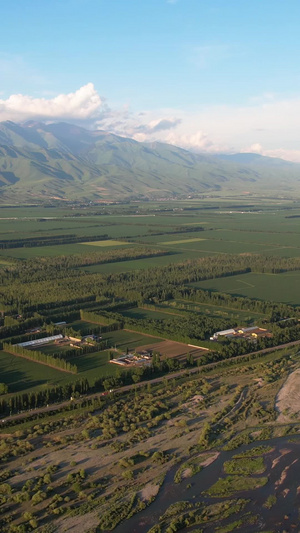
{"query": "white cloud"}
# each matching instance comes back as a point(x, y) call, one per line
point(266, 125)
point(158, 125)
point(289, 155)
point(198, 141)
point(82, 104)
point(255, 148)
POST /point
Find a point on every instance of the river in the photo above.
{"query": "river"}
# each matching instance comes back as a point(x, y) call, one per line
point(283, 481)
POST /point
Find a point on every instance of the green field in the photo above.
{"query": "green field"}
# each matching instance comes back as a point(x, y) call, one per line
point(227, 229)
point(141, 264)
point(127, 339)
point(52, 251)
point(231, 226)
point(272, 287)
point(94, 365)
point(184, 241)
point(23, 375)
point(51, 348)
point(141, 313)
point(240, 316)
point(106, 243)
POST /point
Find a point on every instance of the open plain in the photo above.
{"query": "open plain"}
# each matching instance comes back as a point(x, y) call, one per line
point(160, 446)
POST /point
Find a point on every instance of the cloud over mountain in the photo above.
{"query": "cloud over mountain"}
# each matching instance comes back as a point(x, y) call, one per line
point(256, 127)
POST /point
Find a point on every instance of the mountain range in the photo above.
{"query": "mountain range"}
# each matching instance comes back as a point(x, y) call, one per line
point(40, 162)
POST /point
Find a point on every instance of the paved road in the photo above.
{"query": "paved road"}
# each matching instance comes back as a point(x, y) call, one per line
point(126, 388)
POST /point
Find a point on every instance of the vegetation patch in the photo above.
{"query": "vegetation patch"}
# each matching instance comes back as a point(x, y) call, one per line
point(247, 466)
point(254, 452)
point(230, 485)
point(187, 469)
point(270, 501)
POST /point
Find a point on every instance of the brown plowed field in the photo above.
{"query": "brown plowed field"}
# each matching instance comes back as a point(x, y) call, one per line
point(173, 349)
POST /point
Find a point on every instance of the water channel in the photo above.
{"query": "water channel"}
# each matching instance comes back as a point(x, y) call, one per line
point(283, 471)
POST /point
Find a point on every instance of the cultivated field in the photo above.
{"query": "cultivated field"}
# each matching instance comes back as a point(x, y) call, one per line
point(142, 313)
point(107, 243)
point(283, 287)
point(23, 375)
point(239, 315)
point(230, 226)
point(173, 349)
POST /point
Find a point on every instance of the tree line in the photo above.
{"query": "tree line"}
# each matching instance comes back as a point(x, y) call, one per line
point(49, 240)
point(56, 285)
point(40, 357)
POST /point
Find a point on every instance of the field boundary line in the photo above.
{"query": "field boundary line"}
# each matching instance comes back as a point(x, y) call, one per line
point(165, 339)
point(195, 346)
point(220, 306)
point(161, 310)
point(246, 283)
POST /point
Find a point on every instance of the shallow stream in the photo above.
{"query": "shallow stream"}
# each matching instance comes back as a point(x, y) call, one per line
point(284, 484)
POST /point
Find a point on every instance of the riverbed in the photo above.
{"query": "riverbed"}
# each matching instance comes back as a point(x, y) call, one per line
point(283, 472)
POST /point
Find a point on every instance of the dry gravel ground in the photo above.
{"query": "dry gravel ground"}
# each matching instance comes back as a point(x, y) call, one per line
point(148, 492)
point(288, 399)
point(77, 524)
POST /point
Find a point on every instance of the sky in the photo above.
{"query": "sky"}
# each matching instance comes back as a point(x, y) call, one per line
point(208, 75)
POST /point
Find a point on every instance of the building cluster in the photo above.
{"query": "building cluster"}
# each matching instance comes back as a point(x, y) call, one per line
point(133, 359)
point(251, 333)
point(62, 340)
point(79, 342)
point(39, 342)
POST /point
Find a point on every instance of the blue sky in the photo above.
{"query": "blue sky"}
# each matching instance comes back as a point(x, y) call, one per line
point(211, 75)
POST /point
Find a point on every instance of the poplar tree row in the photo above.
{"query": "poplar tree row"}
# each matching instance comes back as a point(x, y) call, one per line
point(40, 357)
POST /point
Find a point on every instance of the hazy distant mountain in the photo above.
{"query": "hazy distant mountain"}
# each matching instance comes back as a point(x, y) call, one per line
point(63, 161)
point(255, 160)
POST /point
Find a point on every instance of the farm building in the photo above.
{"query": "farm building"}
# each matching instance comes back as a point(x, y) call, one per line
point(223, 333)
point(132, 359)
point(250, 333)
point(38, 342)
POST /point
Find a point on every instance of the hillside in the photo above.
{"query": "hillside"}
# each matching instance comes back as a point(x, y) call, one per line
point(64, 161)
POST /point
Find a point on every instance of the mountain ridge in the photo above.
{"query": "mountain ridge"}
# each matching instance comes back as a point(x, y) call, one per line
point(68, 162)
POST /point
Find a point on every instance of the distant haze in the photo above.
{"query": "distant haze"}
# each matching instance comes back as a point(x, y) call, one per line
point(61, 161)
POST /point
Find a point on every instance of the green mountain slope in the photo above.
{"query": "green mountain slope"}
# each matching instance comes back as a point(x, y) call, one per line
point(64, 161)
